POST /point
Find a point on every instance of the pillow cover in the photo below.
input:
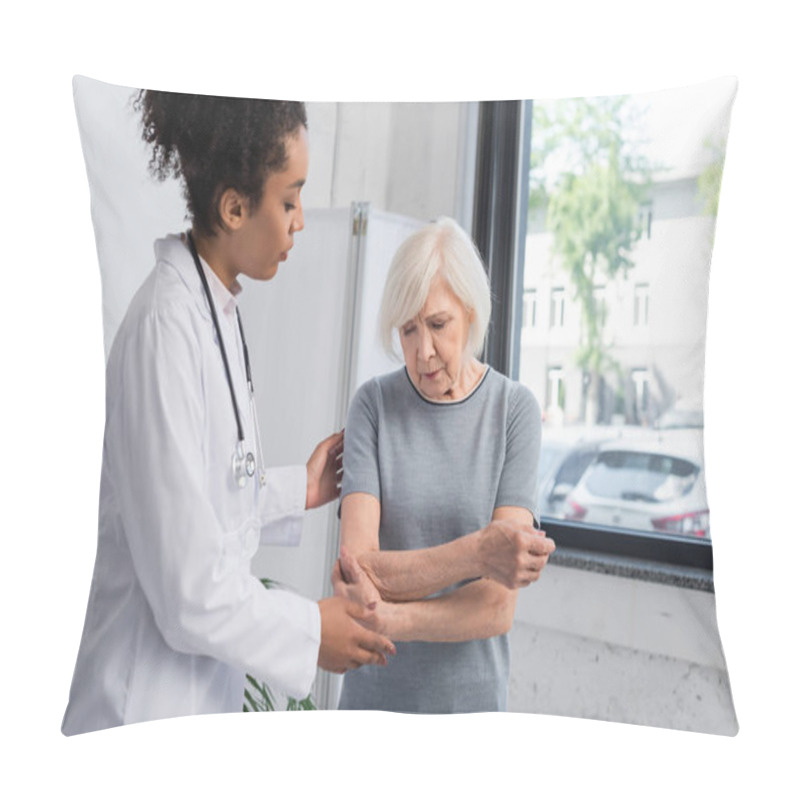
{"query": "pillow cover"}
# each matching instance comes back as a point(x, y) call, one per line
point(610, 320)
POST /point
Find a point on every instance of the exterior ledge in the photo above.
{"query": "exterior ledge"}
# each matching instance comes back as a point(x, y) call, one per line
point(634, 568)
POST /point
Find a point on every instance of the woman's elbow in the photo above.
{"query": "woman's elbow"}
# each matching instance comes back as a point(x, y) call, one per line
point(502, 607)
point(505, 618)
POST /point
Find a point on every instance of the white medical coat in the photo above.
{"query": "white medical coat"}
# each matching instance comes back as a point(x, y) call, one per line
point(175, 617)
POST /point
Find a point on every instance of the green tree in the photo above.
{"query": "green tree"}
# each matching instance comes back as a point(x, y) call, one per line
point(709, 181)
point(586, 173)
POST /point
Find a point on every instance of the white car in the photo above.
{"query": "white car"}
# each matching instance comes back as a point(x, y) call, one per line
point(564, 456)
point(654, 483)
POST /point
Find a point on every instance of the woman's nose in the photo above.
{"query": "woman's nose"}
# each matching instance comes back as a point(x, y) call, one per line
point(426, 349)
point(299, 222)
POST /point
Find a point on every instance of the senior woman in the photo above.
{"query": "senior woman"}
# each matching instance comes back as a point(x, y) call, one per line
point(438, 491)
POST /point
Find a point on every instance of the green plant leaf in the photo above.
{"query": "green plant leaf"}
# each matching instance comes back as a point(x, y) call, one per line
point(264, 699)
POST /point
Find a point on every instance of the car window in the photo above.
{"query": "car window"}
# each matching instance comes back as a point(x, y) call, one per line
point(574, 466)
point(648, 477)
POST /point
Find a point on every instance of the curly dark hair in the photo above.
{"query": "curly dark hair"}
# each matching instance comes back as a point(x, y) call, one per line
point(216, 143)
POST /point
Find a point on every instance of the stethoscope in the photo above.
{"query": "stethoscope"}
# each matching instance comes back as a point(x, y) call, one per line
point(243, 464)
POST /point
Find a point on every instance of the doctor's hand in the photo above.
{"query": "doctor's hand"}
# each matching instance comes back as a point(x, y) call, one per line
point(324, 471)
point(512, 553)
point(345, 642)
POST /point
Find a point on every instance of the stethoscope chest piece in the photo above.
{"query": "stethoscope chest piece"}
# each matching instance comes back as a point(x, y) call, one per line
point(244, 466)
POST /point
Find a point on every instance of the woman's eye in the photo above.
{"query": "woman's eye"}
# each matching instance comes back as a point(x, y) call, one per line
point(409, 330)
point(437, 326)
point(289, 207)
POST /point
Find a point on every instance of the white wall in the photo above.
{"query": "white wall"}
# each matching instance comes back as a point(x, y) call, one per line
point(414, 159)
point(410, 159)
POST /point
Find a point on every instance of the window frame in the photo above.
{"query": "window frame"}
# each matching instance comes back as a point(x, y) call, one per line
point(499, 229)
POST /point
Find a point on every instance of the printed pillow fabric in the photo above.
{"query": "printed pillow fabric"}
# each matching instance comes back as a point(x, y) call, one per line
point(610, 328)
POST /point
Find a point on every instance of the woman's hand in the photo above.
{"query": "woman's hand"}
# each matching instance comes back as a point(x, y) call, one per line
point(512, 553)
point(352, 583)
point(324, 471)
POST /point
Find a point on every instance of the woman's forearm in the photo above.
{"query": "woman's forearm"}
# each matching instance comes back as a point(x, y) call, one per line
point(478, 610)
point(508, 550)
point(402, 575)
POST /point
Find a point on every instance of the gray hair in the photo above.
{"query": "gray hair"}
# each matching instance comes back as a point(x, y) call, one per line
point(439, 248)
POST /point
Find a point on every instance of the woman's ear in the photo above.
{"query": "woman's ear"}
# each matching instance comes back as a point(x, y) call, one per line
point(232, 209)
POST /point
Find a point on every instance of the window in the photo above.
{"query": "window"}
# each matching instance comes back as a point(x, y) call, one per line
point(641, 397)
point(555, 393)
point(557, 305)
point(529, 308)
point(600, 305)
point(641, 304)
point(646, 219)
point(618, 381)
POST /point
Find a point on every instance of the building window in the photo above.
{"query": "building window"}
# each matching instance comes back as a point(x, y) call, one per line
point(556, 394)
point(641, 398)
point(641, 305)
point(600, 304)
point(557, 306)
point(529, 308)
point(646, 219)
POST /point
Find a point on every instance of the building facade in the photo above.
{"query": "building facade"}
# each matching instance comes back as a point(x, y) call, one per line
point(655, 318)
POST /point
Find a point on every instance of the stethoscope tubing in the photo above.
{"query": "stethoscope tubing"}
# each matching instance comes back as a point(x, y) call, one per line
point(239, 429)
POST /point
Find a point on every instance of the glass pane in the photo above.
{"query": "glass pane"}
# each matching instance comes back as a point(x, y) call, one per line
point(619, 234)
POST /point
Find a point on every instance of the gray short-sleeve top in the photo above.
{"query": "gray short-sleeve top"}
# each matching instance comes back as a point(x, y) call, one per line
point(439, 470)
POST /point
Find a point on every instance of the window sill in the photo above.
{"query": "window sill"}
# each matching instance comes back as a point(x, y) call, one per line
point(634, 568)
point(680, 562)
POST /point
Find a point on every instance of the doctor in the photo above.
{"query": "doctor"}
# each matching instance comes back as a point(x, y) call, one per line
point(175, 618)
